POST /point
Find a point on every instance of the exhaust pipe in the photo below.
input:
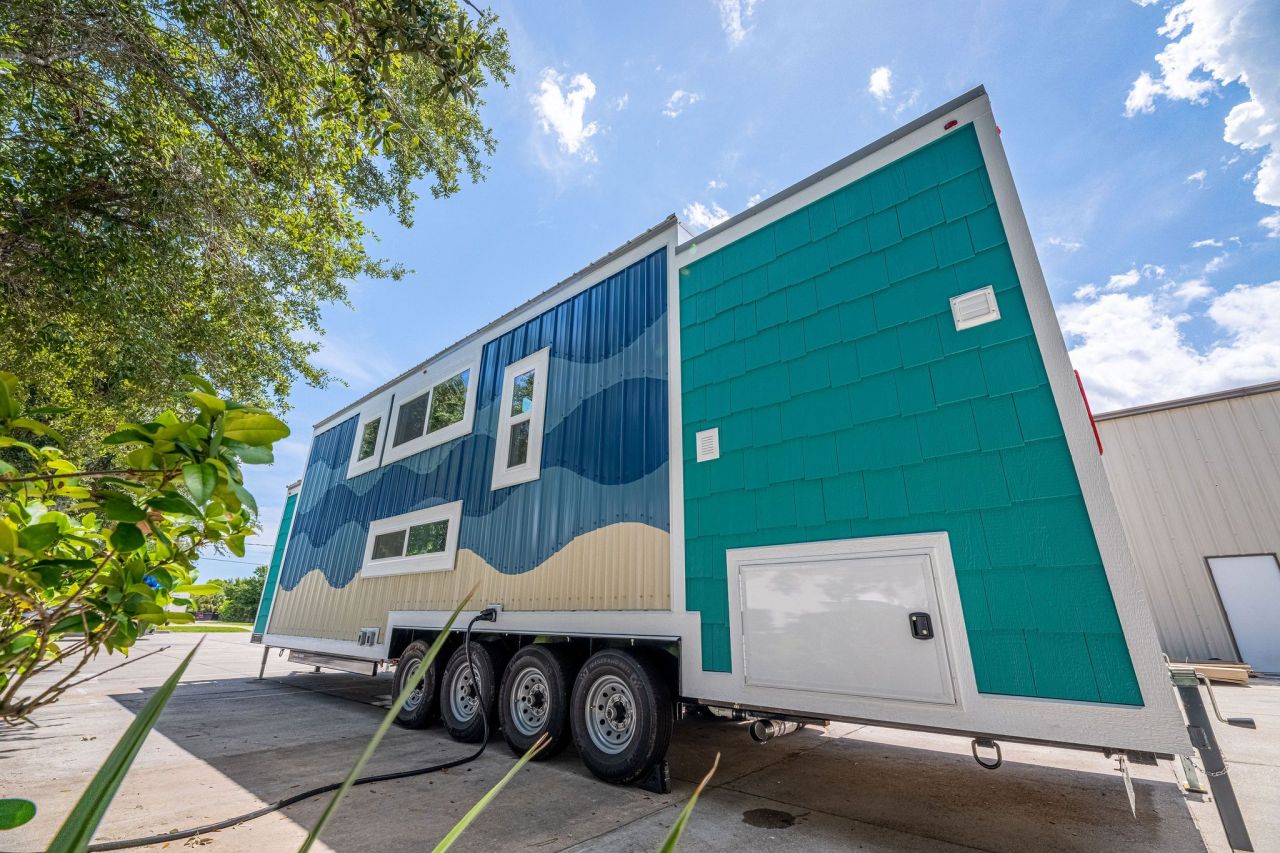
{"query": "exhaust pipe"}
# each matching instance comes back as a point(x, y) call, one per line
point(763, 731)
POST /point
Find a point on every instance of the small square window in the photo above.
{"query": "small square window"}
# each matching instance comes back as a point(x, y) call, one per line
point(448, 402)
point(412, 419)
point(427, 538)
point(369, 439)
point(387, 545)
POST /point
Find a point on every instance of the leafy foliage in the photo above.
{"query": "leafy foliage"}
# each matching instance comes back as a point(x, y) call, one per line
point(90, 560)
point(240, 597)
point(181, 181)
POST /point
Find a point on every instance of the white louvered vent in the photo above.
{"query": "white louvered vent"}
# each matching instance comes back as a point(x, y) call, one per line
point(708, 443)
point(975, 308)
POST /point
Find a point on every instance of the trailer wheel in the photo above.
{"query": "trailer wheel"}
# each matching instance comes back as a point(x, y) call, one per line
point(622, 715)
point(534, 699)
point(465, 695)
point(420, 708)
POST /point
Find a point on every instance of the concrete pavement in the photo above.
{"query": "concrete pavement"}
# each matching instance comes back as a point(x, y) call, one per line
point(228, 743)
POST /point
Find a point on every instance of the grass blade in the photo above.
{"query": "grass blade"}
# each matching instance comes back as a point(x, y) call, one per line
point(483, 802)
point(387, 720)
point(673, 837)
point(78, 829)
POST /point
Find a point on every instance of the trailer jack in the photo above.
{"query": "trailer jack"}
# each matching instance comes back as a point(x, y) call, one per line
point(1188, 681)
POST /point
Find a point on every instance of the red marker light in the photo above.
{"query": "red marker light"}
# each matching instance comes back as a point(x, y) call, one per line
point(950, 124)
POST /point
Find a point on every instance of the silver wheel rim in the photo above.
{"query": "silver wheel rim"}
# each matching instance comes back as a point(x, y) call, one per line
point(530, 701)
point(415, 698)
point(464, 694)
point(611, 718)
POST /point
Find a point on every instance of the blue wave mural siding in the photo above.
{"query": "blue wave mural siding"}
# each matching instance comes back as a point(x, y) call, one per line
point(604, 458)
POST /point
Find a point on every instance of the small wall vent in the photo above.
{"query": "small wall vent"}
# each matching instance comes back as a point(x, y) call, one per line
point(975, 308)
point(708, 444)
point(367, 637)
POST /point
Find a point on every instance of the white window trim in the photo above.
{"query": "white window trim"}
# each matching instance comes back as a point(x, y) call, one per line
point(378, 408)
point(439, 562)
point(503, 476)
point(423, 383)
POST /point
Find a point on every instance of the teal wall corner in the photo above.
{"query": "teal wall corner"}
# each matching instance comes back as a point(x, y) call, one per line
point(273, 570)
point(823, 347)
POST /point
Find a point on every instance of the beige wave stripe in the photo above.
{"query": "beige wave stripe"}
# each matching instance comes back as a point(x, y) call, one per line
point(624, 566)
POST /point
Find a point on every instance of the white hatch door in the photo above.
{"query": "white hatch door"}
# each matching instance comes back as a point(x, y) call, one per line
point(857, 626)
point(1250, 591)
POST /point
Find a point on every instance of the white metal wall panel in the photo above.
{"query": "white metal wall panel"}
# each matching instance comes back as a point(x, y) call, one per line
point(1191, 482)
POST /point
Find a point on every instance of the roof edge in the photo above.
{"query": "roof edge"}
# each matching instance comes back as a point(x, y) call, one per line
point(844, 162)
point(564, 283)
point(1183, 402)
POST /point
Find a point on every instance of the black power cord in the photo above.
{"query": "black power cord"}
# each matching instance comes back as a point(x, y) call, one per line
point(489, 614)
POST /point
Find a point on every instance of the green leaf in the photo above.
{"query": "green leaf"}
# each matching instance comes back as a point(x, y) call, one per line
point(201, 479)
point(387, 720)
point(245, 496)
point(14, 813)
point(125, 436)
point(208, 403)
point(78, 829)
point(36, 537)
point(38, 428)
point(253, 428)
point(250, 455)
point(200, 383)
point(673, 837)
point(198, 588)
point(127, 537)
point(174, 503)
point(8, 406)
point(120, 508)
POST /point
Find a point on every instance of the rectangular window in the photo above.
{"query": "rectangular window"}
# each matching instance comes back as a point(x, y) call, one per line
point(437, 406)
point(425, 540)
point(369, 439)
point(521, 414)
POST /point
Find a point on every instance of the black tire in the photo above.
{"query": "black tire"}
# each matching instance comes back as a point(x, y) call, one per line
point(535, 699)
point(629, 728)
point(421, 708)
point(458, 700)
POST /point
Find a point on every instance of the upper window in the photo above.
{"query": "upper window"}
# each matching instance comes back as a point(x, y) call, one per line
point(366, 450)
point(421, 541)
point(521, 413)
point(434, 409)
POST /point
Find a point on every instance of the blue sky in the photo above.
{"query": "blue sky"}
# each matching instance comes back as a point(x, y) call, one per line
point(1144, 140)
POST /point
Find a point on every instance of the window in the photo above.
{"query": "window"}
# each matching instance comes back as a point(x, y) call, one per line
point(434, 408)
point(421, 541)
point(370, 435)
point(521, 412)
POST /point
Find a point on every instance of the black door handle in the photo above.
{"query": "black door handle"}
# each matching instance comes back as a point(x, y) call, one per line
point(921, 626)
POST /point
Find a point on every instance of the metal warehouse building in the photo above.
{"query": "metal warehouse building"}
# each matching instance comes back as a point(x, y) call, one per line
point(1197, 484)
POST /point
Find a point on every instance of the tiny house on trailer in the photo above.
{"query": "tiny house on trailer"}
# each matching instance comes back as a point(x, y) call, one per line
point(826, 460)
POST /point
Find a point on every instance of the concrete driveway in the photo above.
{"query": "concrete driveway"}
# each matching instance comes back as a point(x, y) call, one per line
point(228, 743)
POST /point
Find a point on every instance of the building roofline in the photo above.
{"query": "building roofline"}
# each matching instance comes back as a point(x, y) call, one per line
point(1229, 394)
point(843, 163)
point(669, 222)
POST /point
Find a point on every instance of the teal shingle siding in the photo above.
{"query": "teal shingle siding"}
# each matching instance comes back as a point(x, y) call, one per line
point(848, 404)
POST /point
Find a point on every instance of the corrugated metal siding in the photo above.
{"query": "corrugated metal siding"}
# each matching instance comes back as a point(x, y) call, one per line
point(273, 572)
point(1194, 482)
point(590, 533)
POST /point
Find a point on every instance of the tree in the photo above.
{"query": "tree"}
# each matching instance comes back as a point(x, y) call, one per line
point(181, 181)
point(90, 560)
point(241, 597)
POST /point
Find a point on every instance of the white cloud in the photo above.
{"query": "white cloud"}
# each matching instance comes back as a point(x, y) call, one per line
point(1215, 263)
point(360, 362)
point(1131, 349)
point(1189, 291)
point(1214, 44)
point(755, 199)
point(1124, 280)
point(1210, 243)
point(1198, 177)
point(620, 104)
point(1085, 291)
point(562, 111)
point(700, 217)
point(880, 84)
point(713, 184)
point(1272, 224)
point(679, 101)
point(735, 19)
point(1065, 244)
